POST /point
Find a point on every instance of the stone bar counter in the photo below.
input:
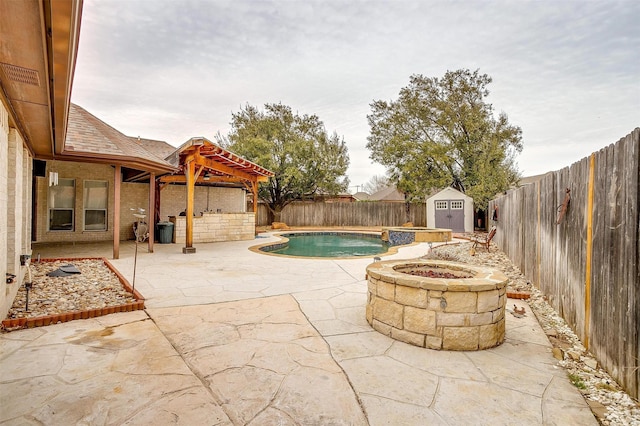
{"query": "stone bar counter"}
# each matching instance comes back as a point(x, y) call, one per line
point(214, 227)
point(456, 307)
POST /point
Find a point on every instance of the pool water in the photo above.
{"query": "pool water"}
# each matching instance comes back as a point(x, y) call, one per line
point(329, 244)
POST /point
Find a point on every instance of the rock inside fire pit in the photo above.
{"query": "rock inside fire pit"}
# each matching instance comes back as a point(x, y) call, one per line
point(434, 272)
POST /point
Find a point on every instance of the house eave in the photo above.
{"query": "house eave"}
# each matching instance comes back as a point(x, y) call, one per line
point(38, 48)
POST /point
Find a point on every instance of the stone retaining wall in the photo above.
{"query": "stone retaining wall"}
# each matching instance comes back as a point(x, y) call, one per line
point(215, 227)
point(437, 313)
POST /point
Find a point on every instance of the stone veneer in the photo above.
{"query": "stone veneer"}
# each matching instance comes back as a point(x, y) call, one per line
point(459, 314)
point(214, 227)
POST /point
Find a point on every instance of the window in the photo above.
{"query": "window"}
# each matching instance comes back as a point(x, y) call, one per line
point(441, 205)
point(457, 205)
point(96, 197)
point(62, 199)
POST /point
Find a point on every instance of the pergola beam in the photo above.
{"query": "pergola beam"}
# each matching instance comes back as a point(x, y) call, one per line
point(250, 182)
point(219, 167)
point(202, 179)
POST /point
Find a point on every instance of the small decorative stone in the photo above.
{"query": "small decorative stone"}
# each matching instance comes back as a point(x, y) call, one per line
point(75, 296)
point(557, 354)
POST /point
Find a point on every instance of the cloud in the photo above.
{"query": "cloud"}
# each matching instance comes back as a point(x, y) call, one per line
point(566, 72)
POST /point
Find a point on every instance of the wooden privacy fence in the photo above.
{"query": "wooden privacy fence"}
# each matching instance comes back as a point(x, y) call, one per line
point(588, 264)
point(360, 213)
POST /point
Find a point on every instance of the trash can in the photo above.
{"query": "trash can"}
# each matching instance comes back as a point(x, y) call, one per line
point(165, 232)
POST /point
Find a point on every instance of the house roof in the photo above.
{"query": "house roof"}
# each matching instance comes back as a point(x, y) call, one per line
point(91, 139)
point(528, 180)
point(389, 193)
point(160, 149)
point(362, 196)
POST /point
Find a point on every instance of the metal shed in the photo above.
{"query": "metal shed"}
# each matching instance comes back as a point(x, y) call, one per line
point(450, 209)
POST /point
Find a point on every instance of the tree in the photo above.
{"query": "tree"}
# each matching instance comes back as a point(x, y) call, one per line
point(375, 184)
point(305, 159)
point(442, 132)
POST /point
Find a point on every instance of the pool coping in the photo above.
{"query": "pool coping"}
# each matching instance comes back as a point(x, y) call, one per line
point(283, 240)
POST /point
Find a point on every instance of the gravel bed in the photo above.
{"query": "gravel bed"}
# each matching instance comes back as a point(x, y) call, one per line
point(95, 287)
point(610, 404)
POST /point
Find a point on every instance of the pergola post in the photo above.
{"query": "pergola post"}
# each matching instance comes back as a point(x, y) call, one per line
point(254, 191)
point(116, 212)
point(151, 209)
point(190, 172)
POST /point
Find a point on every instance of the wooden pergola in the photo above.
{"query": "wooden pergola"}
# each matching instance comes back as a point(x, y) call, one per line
point(202, 162)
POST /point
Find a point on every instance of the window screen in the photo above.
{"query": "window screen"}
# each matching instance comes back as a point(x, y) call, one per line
point(62, 200)
point(96, 198)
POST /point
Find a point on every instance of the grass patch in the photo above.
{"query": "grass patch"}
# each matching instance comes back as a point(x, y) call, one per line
point(577, 381)
point(440, 255)
point(606, 386)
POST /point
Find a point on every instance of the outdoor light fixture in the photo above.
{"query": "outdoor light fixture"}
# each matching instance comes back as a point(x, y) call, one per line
point(24, 258)
point(27, 285)
point(53, 178)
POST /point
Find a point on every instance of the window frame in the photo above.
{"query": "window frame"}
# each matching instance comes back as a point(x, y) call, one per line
point(85, 209)
point(51, 209)
point(442, 204)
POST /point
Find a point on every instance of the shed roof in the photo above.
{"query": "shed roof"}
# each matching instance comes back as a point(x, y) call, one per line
point(449, 192)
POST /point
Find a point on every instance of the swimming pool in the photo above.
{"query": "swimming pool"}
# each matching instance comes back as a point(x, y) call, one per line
point(328, 244)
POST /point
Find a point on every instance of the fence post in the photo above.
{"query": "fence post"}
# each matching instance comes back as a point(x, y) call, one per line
point(587, 282)
point(539, 242)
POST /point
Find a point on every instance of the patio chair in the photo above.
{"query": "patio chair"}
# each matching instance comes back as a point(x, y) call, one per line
point(483, 240)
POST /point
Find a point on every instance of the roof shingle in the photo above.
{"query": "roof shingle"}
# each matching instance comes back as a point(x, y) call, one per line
point(87, 134)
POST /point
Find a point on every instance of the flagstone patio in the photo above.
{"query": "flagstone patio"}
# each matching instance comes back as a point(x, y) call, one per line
point(234, 337)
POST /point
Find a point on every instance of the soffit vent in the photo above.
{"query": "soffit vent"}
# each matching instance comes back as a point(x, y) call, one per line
point(21, 75)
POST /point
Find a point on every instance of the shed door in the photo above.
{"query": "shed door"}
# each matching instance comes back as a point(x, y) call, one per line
point(450, 214)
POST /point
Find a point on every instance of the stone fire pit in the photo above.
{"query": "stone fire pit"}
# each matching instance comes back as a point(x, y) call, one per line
point(437, 304)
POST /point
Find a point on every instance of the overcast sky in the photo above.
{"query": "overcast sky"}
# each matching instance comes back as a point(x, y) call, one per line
point(566, 72)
